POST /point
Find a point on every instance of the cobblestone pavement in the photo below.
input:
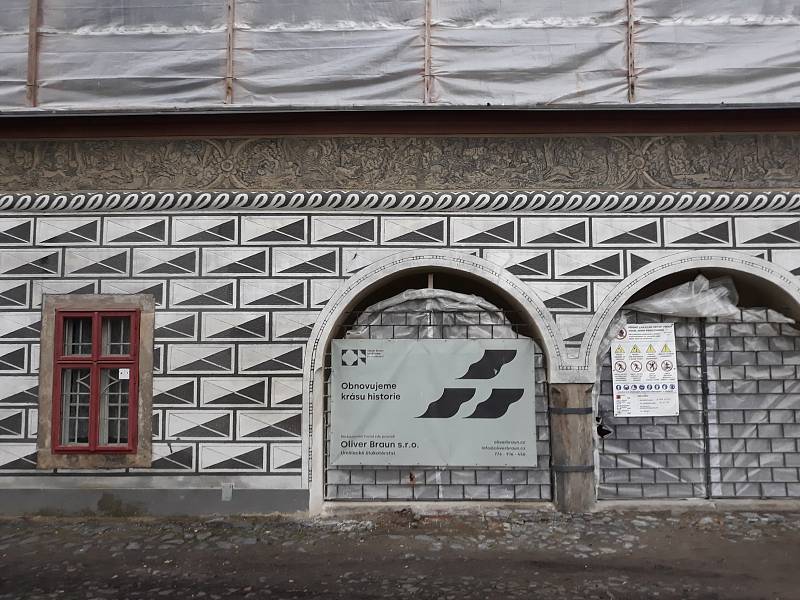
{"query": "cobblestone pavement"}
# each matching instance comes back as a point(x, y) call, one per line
point(397, 554)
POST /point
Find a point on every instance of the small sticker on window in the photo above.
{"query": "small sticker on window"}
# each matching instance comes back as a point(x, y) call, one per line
point(124, 373)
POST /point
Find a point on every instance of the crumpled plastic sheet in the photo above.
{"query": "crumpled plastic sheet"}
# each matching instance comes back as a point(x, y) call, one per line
point(432, 314)
point(698, 298)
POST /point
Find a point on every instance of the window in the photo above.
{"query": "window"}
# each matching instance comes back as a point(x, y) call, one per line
point(95, 375)
point(95, 381)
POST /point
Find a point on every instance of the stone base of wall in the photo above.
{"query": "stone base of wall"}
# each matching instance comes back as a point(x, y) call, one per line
point(149, 502)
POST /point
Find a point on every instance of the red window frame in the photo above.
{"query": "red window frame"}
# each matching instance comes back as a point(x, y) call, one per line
point(94, 363)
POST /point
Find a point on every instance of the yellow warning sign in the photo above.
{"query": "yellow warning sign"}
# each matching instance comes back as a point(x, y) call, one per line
point(620, 350)
point(666, 348)
point(650, 348)
point(635, 349)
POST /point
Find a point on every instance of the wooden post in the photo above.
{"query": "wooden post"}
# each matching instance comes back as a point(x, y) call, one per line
point(32, 83)
point(229, 52)
point(629, 48)
point(572, 446)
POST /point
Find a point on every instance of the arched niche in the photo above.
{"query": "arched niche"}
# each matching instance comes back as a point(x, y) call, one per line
point(409, 270)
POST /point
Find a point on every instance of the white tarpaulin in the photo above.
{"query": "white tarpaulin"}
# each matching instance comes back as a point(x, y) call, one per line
point(433, 402)
point(284, 54)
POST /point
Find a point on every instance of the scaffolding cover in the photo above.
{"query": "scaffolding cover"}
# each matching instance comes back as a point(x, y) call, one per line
point(114, 55)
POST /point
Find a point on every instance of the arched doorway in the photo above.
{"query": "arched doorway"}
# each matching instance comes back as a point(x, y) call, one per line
point(737, 433)
point(411, 270)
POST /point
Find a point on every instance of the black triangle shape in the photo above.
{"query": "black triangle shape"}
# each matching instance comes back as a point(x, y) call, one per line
point(210, 363)
point(290, 361)
point(183, 393)
point(113, 264)
point(604, 267)
point(31, 395)
point(791, 231)
point(291, 296)
point(221, 232)
point(252, 394)
point(576, 338)
point(16, 296)
point(254, 459)
point(713, 235)
point(322, 264)
point(222, 295)
point(151, 233)
point(11, 425)
point(15, 358)
point(220, 427)
point(26, 462)
point(288, 428)
point(183, 328)
point(637, 262)
point(45, 265)
point(293, 232)
point(257, 263)
point(504, 232)
point(181, 264)
point(254, 328)
point(182, 459)
point(363, 232)
point(29, 332)
point(640, 235)
point(538, 265)
point(297, 399)
point(295, 464)
point(302, 332)
point(569, 235)
point(577, 298)
point(427, 234)
point(79, 235)
point(157, 291)
point(19, 234)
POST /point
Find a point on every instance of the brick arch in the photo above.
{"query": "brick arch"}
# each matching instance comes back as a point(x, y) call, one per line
point(720, 260)
point(518, 294)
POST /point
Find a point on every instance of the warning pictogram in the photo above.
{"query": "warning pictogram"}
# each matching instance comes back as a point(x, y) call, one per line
point(635, 349)
point(650, 348)
point(666, 348)
point(619, 350)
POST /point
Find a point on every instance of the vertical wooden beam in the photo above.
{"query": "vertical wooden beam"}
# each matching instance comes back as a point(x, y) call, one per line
point(229, 52)
point(426, 77)
point(572, 446)
point(629, 47)
point(32, 83)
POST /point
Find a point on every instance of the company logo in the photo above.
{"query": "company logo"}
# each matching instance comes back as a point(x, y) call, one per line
point(353, 357)
point(494, 407)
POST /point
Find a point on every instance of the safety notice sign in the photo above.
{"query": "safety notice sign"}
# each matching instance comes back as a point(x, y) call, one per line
point(645, 372)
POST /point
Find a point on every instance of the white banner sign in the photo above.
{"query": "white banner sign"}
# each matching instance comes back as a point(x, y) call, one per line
point(645, 371)
point(433, 402)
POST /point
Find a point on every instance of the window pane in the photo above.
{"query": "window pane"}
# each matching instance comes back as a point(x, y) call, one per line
point(77, 336)
point(75, 386)
point(116, 335)
point(113, 408)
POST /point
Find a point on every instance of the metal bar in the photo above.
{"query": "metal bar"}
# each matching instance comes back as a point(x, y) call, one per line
point(32, 83)
point(557, 410)
point(705, 391)
point(426, 77)
point(630, 59)
point(229, 52)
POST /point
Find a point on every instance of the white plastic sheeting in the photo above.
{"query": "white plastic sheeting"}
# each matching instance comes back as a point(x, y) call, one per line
point(13, 52)
point(717, 51)
point(432, 314)
point(700, 297)
point(287, 54)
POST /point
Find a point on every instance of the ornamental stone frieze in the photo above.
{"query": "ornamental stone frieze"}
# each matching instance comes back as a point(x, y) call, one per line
point(411, 163)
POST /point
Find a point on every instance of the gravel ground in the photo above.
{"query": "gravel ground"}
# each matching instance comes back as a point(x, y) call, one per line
point(398, 554)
